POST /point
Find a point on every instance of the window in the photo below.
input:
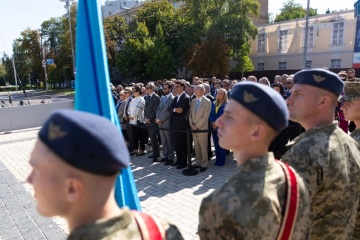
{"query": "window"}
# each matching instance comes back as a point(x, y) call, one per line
point(261, 42)
point(283, 40)
point(338, 33)
point(311, 37)
point(282, 65)
point(335, 63)
point(261, 66)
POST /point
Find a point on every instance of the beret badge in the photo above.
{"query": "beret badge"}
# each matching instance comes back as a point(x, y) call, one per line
point(55, 132)
point(249, 98)
point(318, 78)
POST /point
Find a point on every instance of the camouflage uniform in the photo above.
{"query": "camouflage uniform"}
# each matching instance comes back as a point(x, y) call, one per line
point(123, 226)
point(249, 205)
point(326, 158)
point(356, 135)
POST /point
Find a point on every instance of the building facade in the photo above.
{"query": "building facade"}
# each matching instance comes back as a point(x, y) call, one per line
point(280, 46)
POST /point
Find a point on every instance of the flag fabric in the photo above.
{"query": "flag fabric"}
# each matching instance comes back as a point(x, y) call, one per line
point(93, 93)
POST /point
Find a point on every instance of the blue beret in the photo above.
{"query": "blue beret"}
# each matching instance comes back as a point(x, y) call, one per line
point(320, 78)
point(86, 141)
point(264, 102)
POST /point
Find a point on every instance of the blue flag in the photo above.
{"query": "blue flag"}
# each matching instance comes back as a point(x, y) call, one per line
point(93, 93)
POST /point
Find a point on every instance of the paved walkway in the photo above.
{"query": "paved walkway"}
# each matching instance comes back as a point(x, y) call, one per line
point(163, 191)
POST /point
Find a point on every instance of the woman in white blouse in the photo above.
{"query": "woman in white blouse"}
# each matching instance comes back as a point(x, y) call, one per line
point(136, 115)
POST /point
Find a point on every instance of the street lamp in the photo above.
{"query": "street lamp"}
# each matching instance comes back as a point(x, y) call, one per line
point(67, 6)
point(306, 33)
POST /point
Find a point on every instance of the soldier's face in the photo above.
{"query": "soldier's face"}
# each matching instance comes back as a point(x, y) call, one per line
point(351, 110)
point(235, 129)
point(302, 103)
point(46, 179)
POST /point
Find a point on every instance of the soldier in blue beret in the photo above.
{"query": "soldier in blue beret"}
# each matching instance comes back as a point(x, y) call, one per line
point(254, 202)
point(324, 155)
point(75, 163)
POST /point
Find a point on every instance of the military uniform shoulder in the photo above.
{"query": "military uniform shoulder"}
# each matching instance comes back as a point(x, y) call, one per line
point(356, 135)
point(124, 226)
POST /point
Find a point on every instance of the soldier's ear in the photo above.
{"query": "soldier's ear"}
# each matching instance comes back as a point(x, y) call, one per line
point(258, 132)
point(74, 189)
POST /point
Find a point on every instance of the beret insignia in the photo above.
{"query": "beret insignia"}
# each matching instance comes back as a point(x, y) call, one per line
point(55, 132)
point(249, 98)
point(318, 78)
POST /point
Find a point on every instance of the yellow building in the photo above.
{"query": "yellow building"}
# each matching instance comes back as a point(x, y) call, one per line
point(280, 46)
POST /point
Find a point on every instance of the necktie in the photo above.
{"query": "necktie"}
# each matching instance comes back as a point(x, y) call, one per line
point(197, 105)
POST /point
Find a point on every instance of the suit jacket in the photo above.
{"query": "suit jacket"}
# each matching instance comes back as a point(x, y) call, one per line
point(179, 120)
point(210, 97)
point(200, 117)
point(162, 112)
point(151, 104)
point(213, 115)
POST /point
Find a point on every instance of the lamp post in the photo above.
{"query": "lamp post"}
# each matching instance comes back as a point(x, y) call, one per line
point(306, 33)
point(67, 6)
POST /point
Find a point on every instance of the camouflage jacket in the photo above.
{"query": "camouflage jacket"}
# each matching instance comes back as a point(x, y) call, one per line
point(327, 159)
point(123, 226)
point(356, 135)
point(250, 204)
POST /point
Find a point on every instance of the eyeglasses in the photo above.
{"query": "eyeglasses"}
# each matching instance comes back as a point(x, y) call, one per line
point(217, 83)
point(148, 87)
point(288, 82)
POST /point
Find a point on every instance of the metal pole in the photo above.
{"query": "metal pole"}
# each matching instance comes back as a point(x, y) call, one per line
point(13, 62)
point(44, 65)
point(306, 34)
point(71, 38)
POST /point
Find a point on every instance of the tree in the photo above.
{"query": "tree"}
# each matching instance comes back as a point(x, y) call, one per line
point(3, 72)
point(161, 63)
point(292, 10)
point(226, 22)
point(244, 63)
point(115, 29)
point(131, 60)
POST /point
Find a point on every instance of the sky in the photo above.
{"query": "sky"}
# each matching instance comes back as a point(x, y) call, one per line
point(18, 15)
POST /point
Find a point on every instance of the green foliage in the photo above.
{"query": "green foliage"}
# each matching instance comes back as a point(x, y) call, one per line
point(132, 58)
point(115, 29)
point(161, 63)
point(244, 63)
point(292, 10)
point(217, 21)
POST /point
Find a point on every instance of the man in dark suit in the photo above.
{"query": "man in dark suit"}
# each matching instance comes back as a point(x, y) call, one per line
point(151, 104)
point(179, 108)
point(212, 99)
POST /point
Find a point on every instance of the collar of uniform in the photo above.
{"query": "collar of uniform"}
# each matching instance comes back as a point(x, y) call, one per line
point(256, 163)
point(356, 135)
point(323, 128)
point(103, 227)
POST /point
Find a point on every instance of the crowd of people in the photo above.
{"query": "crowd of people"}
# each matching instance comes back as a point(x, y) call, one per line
point(311, 193)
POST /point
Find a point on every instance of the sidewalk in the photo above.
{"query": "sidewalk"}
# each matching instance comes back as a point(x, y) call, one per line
point(163, 191)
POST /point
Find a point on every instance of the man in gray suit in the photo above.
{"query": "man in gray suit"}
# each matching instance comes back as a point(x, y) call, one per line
point(151, 104)
point(199, 120)
point(163, 118)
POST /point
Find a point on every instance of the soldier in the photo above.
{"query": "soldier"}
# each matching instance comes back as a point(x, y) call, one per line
point(254, 202)
point(75, 163)
point(351, 109)
point(325, 156)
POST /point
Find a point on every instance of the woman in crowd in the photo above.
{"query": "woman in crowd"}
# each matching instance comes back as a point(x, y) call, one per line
point(217, 109)
point(279, 88)
point(136, 115)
